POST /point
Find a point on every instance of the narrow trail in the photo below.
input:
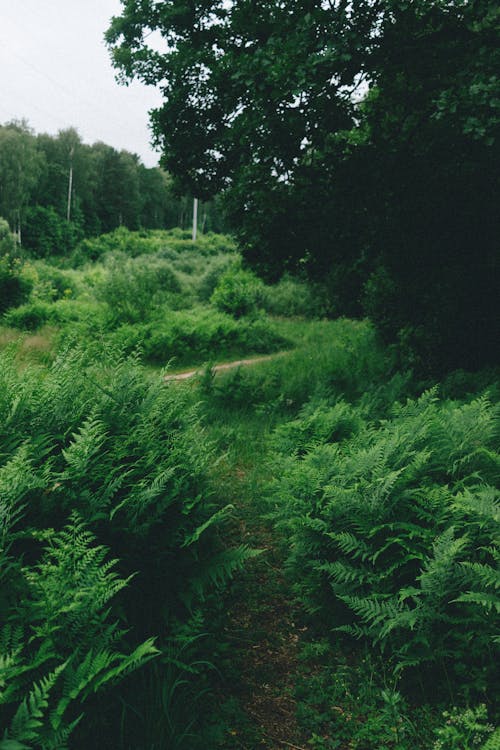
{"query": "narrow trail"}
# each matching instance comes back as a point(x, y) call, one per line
point(186, 374)
point(263, 630)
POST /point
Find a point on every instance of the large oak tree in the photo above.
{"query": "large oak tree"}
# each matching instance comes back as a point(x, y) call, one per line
point(358, 140)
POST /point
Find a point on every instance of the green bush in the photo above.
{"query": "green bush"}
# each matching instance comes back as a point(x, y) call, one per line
point(292, 297)
point(392, 535)
point(211, 276)
point(46, 233)
point(167, 244)
point(125, 459)
point(119, 240)
point(341, 357)
point(14, 286)
point(32, 315)
point(197, 335)
point(238, 292)
point(54, 283)
point(133, 287)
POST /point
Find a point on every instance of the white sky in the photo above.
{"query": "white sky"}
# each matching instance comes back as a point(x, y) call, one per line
point(55, 72)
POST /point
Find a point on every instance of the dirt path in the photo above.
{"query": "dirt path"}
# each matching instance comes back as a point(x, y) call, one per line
point(265, 638)
point(263, 630)
point(224, 366)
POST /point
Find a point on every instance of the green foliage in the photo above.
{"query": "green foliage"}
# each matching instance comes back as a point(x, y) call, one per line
point(133, 287)
point(238, 292)
point(14, 286)
point(47, 234)
point(349, 704)
point(20, 168)
point(211, 276)
point(393, 532)
point(31, 315)
point(126, 458)
point(62, 645)
point(330, 357)
point(51, 283)
point(316, 424)
point(7, 239)
point(466, 730)
point(120, 240)
point(166, 244)
point(291, 296)
point(197, 335)
point(328, 165)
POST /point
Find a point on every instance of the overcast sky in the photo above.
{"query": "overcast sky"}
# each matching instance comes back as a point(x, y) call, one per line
point(55, 72)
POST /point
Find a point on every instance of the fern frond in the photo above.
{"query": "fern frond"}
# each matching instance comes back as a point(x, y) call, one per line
point(217, 571)
point(28, 717)
point(481, 598)
point(86, 443)
point(215, 518)
point(342, 573)
point(484, 575)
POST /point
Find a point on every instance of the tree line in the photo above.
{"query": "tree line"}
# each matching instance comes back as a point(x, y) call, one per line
point(55, 190)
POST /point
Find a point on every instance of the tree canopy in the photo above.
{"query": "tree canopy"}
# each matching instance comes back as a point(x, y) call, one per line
point(359, 141)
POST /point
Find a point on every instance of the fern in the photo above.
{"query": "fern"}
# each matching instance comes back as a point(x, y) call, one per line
point(218, 571)
point(86, 443)
point(29, 717)
point(72, 584)
point(72, 642)
point(213, 519)
point(398, 526)
point(127, 461)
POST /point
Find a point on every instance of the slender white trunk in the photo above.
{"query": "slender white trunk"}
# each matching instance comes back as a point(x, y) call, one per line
point(70, 188)
point(195, 218)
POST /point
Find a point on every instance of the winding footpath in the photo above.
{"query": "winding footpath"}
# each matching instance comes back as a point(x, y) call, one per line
point(184, 375)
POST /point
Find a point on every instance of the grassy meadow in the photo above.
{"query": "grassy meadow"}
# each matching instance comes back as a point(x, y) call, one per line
point(298, 553)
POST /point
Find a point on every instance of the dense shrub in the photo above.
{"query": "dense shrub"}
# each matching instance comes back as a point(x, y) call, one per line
point(31, 315)
point(46, 233)
point(392, 533)
point(197, 335)
point(125, 459)
point(210, 278)
point(53, 283)
point(167, 244)
point(332, 357)
point(15, 286)
point(92, 249)
point(238, 292)
point(133, 287)
point(290, 297)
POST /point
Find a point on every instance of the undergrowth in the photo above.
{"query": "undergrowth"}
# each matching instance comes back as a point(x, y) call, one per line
point(127, 505)
point(109, 553)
